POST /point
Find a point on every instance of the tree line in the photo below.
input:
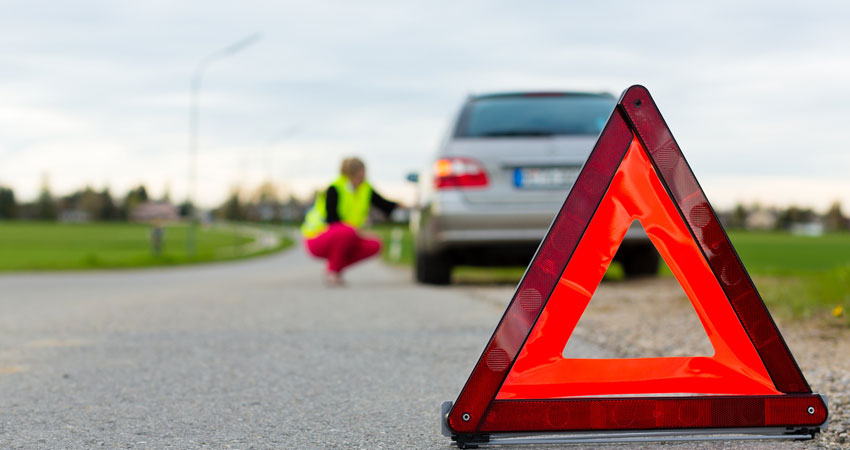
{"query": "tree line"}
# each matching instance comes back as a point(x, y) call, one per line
point(265, 205)
point(88, 204)
point(95, 205)
point(758, 217)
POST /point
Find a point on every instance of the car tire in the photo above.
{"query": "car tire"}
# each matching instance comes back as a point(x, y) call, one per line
point(640, 261)
point(433, 268)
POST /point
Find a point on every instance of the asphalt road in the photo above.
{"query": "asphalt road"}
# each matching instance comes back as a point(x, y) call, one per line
point(253, 354)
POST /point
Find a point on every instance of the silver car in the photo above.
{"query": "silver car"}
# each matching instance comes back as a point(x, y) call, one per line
point(500, 176)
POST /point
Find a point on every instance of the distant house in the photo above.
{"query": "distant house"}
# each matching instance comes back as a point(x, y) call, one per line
point(400, 215)
point(762, 219)
point(74, 216)
point(150, 211)
point(814, 228)
point(293, 211)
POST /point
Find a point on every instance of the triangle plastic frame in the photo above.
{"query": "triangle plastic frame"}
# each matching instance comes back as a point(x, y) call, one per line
point(634, 128)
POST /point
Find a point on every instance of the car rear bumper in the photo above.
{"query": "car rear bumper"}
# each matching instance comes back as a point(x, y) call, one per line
point(453, 237)
point(457, 225)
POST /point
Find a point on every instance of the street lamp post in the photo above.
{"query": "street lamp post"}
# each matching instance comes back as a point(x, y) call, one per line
point(197, 76)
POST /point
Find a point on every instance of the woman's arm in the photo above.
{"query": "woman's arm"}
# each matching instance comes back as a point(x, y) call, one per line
point(331, 208)
point(383, 204)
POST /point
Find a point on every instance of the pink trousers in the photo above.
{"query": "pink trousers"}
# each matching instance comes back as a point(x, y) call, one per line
point(342, 246)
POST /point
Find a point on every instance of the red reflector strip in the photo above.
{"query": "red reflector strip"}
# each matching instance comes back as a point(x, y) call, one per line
point(667, 157)
point(588, 414)
point(541, 277)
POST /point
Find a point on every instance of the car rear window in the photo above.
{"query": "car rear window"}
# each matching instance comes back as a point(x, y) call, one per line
point(535, 115)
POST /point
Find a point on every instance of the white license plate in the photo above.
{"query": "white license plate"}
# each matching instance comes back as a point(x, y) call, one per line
point(545, 177)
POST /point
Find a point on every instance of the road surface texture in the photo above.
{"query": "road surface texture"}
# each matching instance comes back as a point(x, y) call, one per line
point(250, 355)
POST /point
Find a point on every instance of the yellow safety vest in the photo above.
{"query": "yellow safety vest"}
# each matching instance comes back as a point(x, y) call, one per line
point(352, 207)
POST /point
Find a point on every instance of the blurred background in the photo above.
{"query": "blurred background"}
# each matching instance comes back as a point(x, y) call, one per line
point(115, 112)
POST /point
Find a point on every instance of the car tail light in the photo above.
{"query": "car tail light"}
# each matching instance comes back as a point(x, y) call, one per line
point(459, 173)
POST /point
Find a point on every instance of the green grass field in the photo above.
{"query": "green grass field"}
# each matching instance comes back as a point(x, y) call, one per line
point(777, 253)
point(798, 276)
point(54, 246)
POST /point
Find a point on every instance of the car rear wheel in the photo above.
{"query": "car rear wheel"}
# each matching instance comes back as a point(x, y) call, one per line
point(640, 261)
point(433, 268)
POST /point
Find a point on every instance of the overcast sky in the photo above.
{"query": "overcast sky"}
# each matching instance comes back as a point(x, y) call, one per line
point(97, 93)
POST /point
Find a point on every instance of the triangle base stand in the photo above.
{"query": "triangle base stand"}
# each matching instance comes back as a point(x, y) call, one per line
point(625, 436)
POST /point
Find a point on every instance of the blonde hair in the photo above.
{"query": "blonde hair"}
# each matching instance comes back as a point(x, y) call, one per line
point(351, 166)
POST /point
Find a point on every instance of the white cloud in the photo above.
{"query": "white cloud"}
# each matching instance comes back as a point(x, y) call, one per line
point(751, 91)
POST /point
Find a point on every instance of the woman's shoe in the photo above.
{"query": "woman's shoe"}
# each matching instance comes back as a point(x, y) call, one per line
point(333, 279)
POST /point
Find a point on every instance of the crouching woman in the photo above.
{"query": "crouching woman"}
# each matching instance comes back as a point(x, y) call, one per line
point(331, 226)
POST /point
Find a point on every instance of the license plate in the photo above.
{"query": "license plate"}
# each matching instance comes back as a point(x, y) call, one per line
point(545, 177)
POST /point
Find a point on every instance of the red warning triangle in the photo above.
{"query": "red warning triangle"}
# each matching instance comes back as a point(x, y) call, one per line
point(522, 382)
